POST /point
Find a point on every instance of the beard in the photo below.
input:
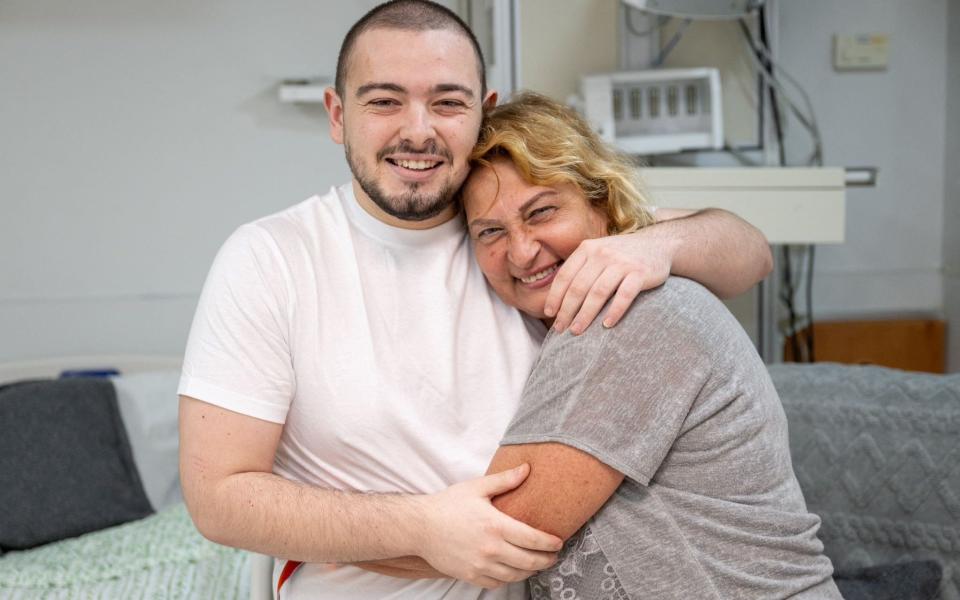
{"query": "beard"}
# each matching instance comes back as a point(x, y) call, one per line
point(412, 205)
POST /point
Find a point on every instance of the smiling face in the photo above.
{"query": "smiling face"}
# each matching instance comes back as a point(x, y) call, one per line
point(410, 117)
point(523, 232)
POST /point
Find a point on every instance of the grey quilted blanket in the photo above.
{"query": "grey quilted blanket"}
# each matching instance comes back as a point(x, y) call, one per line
point(877, 453)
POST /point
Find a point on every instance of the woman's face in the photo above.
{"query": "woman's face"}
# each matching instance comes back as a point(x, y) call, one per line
point(522, 232)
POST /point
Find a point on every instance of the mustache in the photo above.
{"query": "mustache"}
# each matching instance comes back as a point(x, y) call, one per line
point(404, 147)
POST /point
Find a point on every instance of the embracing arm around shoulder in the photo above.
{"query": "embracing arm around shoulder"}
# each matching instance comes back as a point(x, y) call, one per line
point(565, 487)
point(714, 247)
point(225, 463)
point(718, 249)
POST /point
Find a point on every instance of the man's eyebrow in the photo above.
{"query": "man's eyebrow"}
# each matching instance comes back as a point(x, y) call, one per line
point(452, 87)
point(386, 87)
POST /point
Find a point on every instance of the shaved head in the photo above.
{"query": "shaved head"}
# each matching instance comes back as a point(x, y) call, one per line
point(408, 15)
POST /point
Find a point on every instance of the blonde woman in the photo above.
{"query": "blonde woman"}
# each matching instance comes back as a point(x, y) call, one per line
point(658, 448)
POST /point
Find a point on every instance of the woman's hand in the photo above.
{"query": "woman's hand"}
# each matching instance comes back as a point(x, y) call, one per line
point(617, 267)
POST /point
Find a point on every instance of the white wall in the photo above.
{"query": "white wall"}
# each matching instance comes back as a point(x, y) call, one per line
point(951, 221)
point(135, 137)
point(893, 119)
point(561, 42)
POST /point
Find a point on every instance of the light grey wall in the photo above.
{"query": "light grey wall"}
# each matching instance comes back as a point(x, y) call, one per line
point(951, 220)
point(893, 119)
point(135, 137)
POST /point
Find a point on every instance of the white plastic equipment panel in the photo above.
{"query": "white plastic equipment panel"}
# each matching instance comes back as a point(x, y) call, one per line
point(789, 205)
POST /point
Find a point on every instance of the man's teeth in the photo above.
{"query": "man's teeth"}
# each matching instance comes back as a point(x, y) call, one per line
point(541, 275)
point(417, 165)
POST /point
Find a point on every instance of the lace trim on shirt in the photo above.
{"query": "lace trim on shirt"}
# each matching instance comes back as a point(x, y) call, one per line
point(582, 573)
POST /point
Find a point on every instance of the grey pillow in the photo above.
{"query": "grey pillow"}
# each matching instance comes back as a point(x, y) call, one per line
point(65, 463)
point(916, 580)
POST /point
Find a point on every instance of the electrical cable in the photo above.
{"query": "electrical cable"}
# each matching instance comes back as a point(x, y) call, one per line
point(764, 61)
point(810, 345)
point(786, 296)
point(806, 119)
point(774, 105)
point(668, 48)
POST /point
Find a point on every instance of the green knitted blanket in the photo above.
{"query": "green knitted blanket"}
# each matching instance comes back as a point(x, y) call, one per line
point(161, 556)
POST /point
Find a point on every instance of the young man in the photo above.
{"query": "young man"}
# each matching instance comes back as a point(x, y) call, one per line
point(349, 374)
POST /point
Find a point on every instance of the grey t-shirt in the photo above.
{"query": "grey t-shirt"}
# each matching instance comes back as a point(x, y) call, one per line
point(675, 398)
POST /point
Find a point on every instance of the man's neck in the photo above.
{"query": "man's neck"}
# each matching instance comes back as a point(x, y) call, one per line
point(378, 213)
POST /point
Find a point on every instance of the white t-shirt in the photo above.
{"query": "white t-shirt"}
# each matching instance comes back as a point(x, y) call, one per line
point(392, 365)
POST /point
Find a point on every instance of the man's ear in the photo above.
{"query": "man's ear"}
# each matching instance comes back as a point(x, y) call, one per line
point(334, 106)
point(490, 101)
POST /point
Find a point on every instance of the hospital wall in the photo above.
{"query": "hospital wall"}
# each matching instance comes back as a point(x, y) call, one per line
point(134, 137)
point(893, 119)
point(902, 236)
point(951, 221)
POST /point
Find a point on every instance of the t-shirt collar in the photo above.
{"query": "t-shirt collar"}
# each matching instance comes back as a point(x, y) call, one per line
point(376, 228)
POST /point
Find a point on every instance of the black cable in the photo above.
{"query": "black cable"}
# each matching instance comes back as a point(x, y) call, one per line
point(790, 286)
point(787, 297)
point(674, 40)
point(810, 354)
point(788, 292)
point(774, 105)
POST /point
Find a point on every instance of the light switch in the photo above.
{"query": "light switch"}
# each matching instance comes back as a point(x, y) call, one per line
point(863, 51)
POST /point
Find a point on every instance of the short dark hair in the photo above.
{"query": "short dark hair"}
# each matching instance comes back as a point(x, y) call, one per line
point(409, 15)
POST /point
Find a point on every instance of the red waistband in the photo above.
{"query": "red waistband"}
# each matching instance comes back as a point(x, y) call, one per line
point(288, 568)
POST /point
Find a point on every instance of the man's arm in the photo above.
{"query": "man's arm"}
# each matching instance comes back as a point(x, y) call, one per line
point(234, 499)
point(713, 247)
point(564, 489)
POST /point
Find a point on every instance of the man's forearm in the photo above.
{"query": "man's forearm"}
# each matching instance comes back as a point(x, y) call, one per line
point(720, 250)
point(234, 499)
point(266, 513)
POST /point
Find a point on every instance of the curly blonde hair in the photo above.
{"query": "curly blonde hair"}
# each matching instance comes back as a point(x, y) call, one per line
point(549, 144)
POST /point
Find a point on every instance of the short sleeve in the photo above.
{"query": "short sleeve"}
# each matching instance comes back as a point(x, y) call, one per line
point(620, 394)
point(238, 353)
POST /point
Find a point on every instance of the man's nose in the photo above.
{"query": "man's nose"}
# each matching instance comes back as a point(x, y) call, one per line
point(418, 126)
point(523, 249)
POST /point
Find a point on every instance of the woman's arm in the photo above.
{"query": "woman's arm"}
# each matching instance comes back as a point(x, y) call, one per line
point(565, 487)
point(714, 247)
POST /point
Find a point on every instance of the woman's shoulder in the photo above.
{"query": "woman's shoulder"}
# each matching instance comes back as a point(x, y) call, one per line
point(680, 309)
point(678, 297)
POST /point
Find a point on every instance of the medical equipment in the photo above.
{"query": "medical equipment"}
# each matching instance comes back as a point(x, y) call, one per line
point(656, 111)
point(698, 9)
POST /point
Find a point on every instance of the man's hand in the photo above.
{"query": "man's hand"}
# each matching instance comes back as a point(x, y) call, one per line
point(713, 247)
point(465, 537)
point(618, 267)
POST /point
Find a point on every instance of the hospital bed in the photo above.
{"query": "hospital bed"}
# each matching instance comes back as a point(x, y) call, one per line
point(158, 556)
point(875, 450)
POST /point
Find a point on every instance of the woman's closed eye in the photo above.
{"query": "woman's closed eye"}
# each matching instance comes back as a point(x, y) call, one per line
point(488, 234)
point(540, 213)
